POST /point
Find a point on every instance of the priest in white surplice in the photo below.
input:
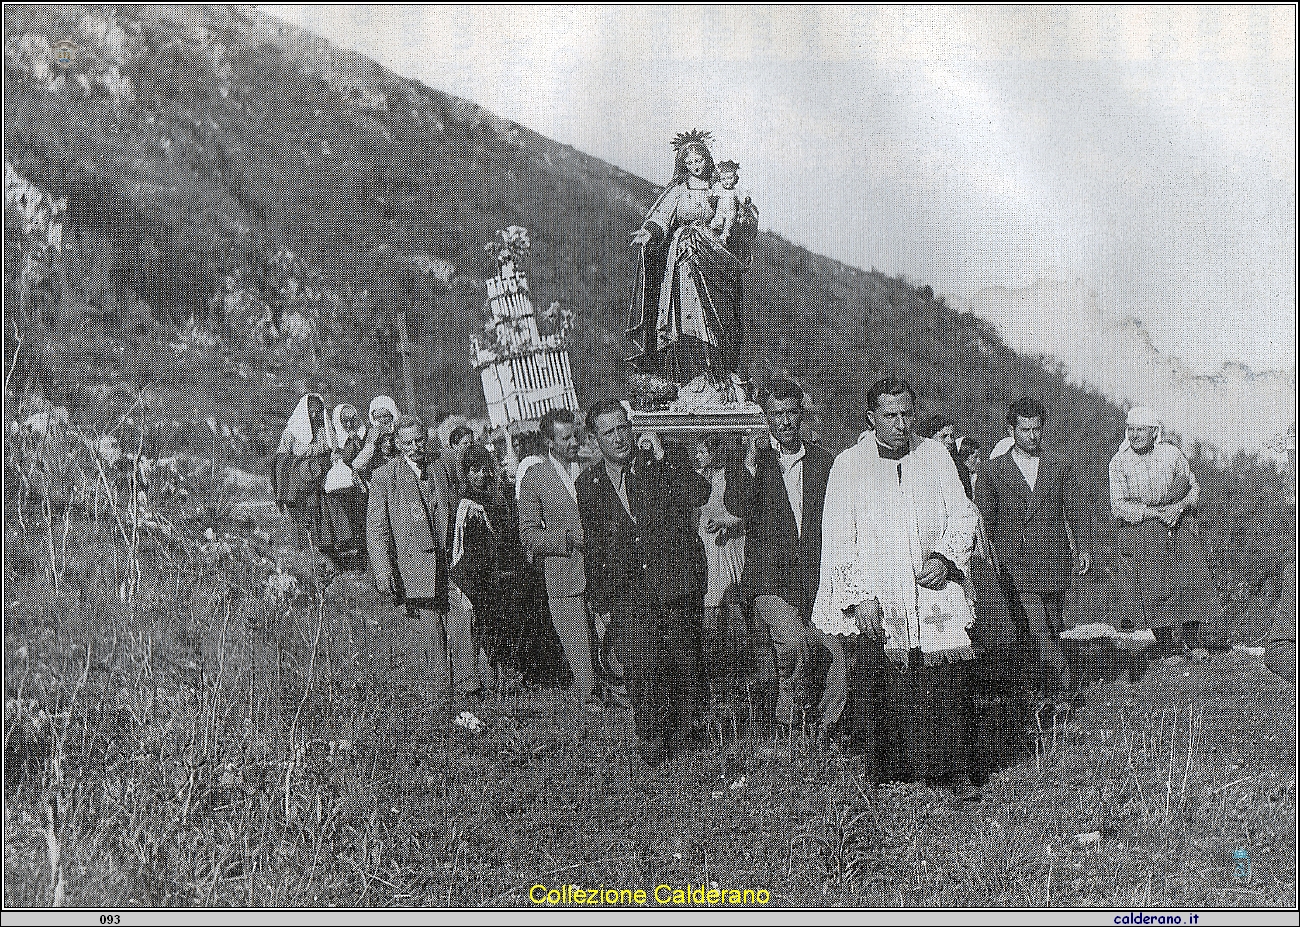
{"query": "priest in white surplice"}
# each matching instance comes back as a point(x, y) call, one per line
point(897, 534)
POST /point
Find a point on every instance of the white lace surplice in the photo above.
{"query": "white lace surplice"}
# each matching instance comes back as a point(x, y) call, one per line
point(877, 531)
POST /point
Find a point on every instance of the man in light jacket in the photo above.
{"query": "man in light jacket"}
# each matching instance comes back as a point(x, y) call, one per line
point(406, 529)
point(551, 531)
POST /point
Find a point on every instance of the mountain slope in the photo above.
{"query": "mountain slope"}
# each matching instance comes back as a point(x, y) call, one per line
point(249, 208)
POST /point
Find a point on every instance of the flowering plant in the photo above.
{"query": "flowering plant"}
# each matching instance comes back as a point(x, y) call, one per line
point(512, 244)
point(652, 392)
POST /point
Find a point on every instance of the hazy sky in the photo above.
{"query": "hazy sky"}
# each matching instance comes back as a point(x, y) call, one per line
point(1143, 156)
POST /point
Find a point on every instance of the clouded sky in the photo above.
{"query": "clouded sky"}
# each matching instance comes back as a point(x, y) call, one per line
point(1142, 156)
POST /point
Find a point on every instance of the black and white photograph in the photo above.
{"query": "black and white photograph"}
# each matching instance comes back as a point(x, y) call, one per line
point(665, 460)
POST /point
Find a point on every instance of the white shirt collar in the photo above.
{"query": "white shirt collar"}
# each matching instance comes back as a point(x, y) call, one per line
point(419, 473)
point(789, 460)
point(568, 471)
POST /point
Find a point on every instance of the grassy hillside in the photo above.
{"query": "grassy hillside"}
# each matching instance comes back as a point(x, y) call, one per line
point(225, 138)
point(209, 212)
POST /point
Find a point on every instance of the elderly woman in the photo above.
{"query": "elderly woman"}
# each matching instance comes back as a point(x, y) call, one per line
point(1154, 494)
point(303, 459)
point(380, 445)
point(345, 493)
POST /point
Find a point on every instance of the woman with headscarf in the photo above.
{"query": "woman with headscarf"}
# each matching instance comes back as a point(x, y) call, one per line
point(303, 459)
point(1153, 495)
point(380, 443)
point(345, 493)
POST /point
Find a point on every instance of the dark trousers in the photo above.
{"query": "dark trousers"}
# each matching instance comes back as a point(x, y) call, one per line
point(908, 722)
point(1043, 617)
point(658, 646)
point(739, 664)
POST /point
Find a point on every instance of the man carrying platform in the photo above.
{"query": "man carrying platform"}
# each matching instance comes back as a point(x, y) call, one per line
point(783, 542)
point(646, 576)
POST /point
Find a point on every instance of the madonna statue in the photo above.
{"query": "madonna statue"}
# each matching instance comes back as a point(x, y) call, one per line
point(685, 318)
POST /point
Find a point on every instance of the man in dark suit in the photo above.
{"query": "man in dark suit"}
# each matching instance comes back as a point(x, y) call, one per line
point(406, 529)
point(646, 573)
point(551, 530)
point(1037, 519)
point(783, 547)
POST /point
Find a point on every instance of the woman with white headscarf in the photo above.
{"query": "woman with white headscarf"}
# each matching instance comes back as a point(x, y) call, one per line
point(345, 492)
point(303, 459)
point(380, 445)
point(1154, 494)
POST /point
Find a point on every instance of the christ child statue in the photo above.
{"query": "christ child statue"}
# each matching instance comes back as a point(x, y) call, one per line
point(733, 202)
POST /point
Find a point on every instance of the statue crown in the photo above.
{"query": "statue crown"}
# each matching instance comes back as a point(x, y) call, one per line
point(694, 136)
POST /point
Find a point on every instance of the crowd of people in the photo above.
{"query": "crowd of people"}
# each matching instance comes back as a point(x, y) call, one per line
point(881, 599)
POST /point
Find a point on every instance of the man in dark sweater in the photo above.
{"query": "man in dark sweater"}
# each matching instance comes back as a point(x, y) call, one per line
point(646, 574)
point(783, 543)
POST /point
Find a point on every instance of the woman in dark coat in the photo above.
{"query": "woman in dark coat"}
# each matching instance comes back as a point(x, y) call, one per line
point(511, 620)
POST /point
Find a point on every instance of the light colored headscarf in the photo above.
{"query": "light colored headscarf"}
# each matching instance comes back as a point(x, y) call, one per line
point(1142, 417)
point(341, 432)
point(384, 402)
point(298, 436)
